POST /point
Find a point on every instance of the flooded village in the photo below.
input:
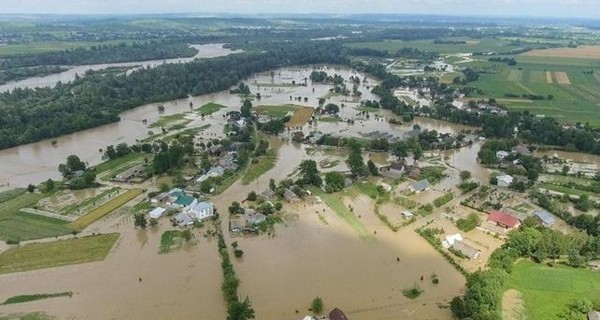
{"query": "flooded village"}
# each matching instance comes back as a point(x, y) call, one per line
point(418, 222)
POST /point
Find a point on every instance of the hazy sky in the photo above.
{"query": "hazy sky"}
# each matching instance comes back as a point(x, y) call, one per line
point(555, 8)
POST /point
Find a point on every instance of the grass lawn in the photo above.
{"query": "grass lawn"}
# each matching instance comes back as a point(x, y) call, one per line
point(35, 297)
point(167, 120)
point(57, 253)
point(170, 241)
point(340, 209)
point(11, 194)
point(277, 111)
point(367, 188)
point(433, 174)
point(18, 226)
point(548, 290)
point(523, 208)
point(113, 165)
point(565, 190)
point(105, 209)
point(210, 108)
point(264, 164)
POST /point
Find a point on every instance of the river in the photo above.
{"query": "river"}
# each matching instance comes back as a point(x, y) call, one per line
point(204, 51)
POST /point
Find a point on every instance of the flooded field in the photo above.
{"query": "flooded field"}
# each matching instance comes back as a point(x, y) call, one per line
point(36, 162)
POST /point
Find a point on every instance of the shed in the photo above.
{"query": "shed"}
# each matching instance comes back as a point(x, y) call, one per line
point(502, 154)
point(235, 226)
point(503, 220)
point(156, 213)
point(544, 217)
point(337, 314)
point(407, 214)
point(268, 194)
point(419, 186)
point(290, 196)
point(255, 219)
point(466, 249)
point(183, 219)
point(504, 180)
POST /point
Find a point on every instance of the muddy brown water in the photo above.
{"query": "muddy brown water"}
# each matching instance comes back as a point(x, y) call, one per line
point(36, 162)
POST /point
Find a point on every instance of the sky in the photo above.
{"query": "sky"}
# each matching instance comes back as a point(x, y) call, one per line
point(544, 8)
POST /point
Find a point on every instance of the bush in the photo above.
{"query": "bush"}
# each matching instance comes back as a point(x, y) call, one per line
point(469, 223)
point(413, 293)
point(317, 305)
point(443, 199)
point(238, 253)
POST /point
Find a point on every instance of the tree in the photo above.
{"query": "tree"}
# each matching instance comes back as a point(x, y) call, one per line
point(465, 175)
point(240, 310)
point(238, 253)
point(187, 235)
point(372, 168)
point(72, 165)
point(310, 173)
point(565, 170)
point(49, 185)
point(272, 184)
point(30, 188)
point(235, 208)
point(140, 220)
point(417, 152)
point(317, 305)
point(246, 109)
point(278, 206)
point(252, 196)
point(332, 108)
point(334, 182)
point(153, 222)
point(355, 160)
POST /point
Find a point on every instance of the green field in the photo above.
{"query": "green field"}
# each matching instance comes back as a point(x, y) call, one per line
point(112, 166)
point(210, 108)
point(548, 290)
point(473, 45)
point(276, 111)
point(165, 121)
point(264, 164)
point(333, 201)
point(57, 253)
point(41, 47)
point(105, 209)
point(578, 101)
point(170, 241)
point(19, 226)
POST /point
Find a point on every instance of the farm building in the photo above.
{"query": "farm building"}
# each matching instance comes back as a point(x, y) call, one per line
point(156, 213)
point(503, 220)
point(466, 249)
point(268, 194)
point(504, 180)
point(185, 201)
point(290, 196)
point(419, 186)
point(235, 226)
point(544, 217)
point(337, 314)
point(134, 172)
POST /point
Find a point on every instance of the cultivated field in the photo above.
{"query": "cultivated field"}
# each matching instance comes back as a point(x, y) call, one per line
point(300, 117)
point(105, 209)
point(546, 291)
point(57, 253)
point(562, 78)
point(586, 52)
point(19, 226)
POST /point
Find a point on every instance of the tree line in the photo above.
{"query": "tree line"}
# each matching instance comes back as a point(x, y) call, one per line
point(29, 115)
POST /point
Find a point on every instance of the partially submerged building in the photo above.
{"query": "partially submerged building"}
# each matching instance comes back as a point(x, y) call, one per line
point(504, 220)
point(419, 186)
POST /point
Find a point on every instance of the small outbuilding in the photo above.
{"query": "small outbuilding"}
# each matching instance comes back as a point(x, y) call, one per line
point(466, 249)
point(157, 213)
point(419, 186)
point(544, 217)
point(504, 180)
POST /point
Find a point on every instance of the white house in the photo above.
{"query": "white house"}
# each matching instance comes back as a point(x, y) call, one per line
point(200, 211)
point(216, 171)
point(157, 213)
point(504, 180)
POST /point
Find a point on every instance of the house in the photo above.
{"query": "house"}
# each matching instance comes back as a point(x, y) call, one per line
point(200, 211)
point(130, 173)
point(451, 239)
point(593, 315)
point(466, 249)
point(216, 171)
point(255, 219)
point(183, 219)
point(501, 155)
point(241, 123)
point(157, 213)
point(337, 314)
point(398, 167)
point(268, 194)
point(407, 214)
point(544, 217)
point(227, 162)
point(415, 173)
point(290, 196)
point(504, 180)
point(419, 186)
point(185, 201)
point(503, 220)
point(235, 226)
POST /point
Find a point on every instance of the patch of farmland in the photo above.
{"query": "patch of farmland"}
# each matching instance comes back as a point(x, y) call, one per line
point(515, 75)
point(536, 76)
point(562, 78)
point(549, 77)
point(583, 52)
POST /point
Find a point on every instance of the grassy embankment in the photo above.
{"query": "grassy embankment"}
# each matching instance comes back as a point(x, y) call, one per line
point(105, 209)
point(34, 297)
point(210, 108)
point(548, 290)
point(57, 253)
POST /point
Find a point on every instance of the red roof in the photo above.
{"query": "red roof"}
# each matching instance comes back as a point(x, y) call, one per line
point(503, 218)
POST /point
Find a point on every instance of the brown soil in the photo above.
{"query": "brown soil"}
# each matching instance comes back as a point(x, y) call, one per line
point(586, 52)
point(562, 78)
point(512, 305)
point(301, 117)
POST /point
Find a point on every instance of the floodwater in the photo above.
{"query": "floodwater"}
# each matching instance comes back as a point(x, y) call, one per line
point(36, 162)
point(180, 285)
point(204, 51)
point(465, 159)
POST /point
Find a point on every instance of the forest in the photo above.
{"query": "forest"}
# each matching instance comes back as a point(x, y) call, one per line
point(29, 115)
